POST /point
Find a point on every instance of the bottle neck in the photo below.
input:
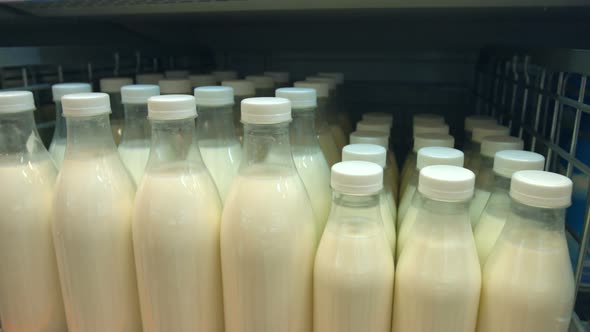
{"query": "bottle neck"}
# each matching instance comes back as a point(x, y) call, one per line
point(355, 209)
point(267, 145)
point(19, 139)
point(331, 109)
point(501, 183)
point(136, 124)
point(538, 218)
point(171, 142)
point(90, 135)
point(441, 212)
point(117, 109)
point(216, 124)
point(321, 112)
point(60, 132)
point(485, 177)
point(303, 133)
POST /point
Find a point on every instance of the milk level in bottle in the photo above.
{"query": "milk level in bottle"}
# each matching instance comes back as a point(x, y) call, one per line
point(354, 272)
point(477, 136)
point(176, 74)
point(528, 284)
point(471, 122)
point(331, 109)
point(134, 147)
point(149, 78)
point(268, 231)
point(92, 223)
point(242, 89)
point(219, 147)
point(383, 127)
point(57, 148)
point(264, 85)
point(307, 154)
point(282, 79)
point(493, 218)
point(224, 75)
point(112, 86)
point(438, 278)
point(378, 155)
point(343, 117)
point(427, 156)
point(199, 80)
point(176, 227)
point(175, 86)
point(30, 297)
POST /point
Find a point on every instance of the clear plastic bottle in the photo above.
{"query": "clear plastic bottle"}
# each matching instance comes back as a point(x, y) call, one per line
point(494, 215)
point(176, 74)
point(199, 80)
point(176, 225)
point(242, 89)
point(112, 86)
point(92, 223)
point(282, 79)
point(412, 201)
point(471, 122)
point(264, 85)
point(57, 148)
point(477, 137)
point(268, 229)
point(382, 127)
point(149, 78)
point(343, 115)
point(438, 277)
point(528, 284)
point(219, 147)
point(307, 154)
point(171, 86)
point(30, 297)
point(354, 270)
point(378, 155)
point(224, 75)
point(331, 110)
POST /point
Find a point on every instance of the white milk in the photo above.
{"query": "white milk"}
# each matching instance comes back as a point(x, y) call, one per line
point(329, 147)
point(135, 158)
point(486, 233)
point(222, 162)
point(30, 298)
point(353, 281)
point(338, 135)
point(405, 203)
point(57, 150)
point(268, 244)
point(478, 204)
point(92, 230)
point(176, 237)
point(405, 227)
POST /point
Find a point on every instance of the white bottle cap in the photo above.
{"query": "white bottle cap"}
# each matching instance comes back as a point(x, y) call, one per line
point(357, 178)
point(261, 81)
point(322, 90)
point(331, 81)
point(299, 97)
point(86, 104)
point(151, 78)
point(214, 96)
point(62, 89)
point(482, 131)
point(176, 74)
point(266, 110)
point(430, 139)
point(339, 77)
point(224, 75)
point(380, 126)
point(446, 183)
point(541, 189)
point(370, 137)
point(242, 88)
point(138, 93)
point(492, 144)
point(365, 152)
point(172, 107)
point(16, 102)
point(430, 127)
point(427, 118)
point(508, 162)
point(279, 76)
point(473, 121)
point(435, 155)
point(201, 80)
point(175, 86)
point(114, 84)
point(379, 116)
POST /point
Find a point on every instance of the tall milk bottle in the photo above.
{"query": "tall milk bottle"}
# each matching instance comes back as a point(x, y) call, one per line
point(307, 154)
point(326, 139)
point(382, 117)
point(134, 147)
point(438, 277)
point(30, 297)
point(264, 85)
point(331, 109)
point(494, 215)
point(112, 86)
point(471, 122)
point(282, 79)
point(427, 156)
point(199, 80)
point(484, 183)
point(354, 272)
point(92, 223)
point(242, 89)
point(343, 115)
point(528, 284)
point(382, 127)
point(224, 75)
point(268, 229)
point(57, 148)
point(378, 155)
point(174, 86)
point(176, 227)
point(477, 136)
point(149, 78)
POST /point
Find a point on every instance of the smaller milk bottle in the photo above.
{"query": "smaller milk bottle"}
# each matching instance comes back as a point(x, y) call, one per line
point(242, 89)
point(331, 108)
point(218, 144)
point(224, 75)
point(412, 201)
point(471, 122)
point(57, 148)
point(343, 117)
point(438, 278)
point(282, 79)
point(134, 147)
point(354, 271)
point(175, 86)
point(112, 86)
point(200, 80)
point(149, 78)
point(264, 85)
point(383, 127)
point(494, 215)
point(379, 117)
point(528, 284)
point(176, 227)
point(176, 74)
point(378, 155)
point(477, 137)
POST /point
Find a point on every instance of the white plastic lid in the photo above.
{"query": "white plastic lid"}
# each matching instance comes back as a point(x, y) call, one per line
point(176, 74)
point(446, 183)
point(508, 162)
point(151, 78)
point(379, 116)
point(433, 139)
point(224, 75)
point(541, 189)
point(114, 84)
point(86, 104)
point(367, 125)
point(322, 90)
point(430, 127)
point(357, 178)
point(492, 144)
point(436, 155)
point(138, 93)
point(370, 137)
point(299, 97)
point(242, 88)
point(266, 110)
point(201, 80)
point(214, 96)
point(261, 81)
point(172, 107)
point(279, 76)
point(16, 102)
point(365, 152)
point(481, 131)
point(62, 89)
point(175, 86)
point(427, 118)
point(329, 80)
point(473, 121)
point(339, 77)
